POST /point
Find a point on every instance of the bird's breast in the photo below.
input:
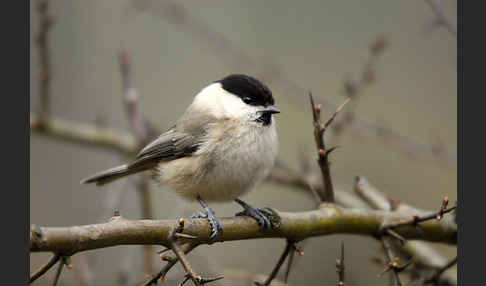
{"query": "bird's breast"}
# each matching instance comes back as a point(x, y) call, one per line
point(227, 166)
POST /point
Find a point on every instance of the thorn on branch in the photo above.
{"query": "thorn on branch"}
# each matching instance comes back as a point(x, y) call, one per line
point(391, 262)
point(179, 252)
point(171, 261)
point(443, 208)
point(163, 250)
point(328, 151)
point(394, 234)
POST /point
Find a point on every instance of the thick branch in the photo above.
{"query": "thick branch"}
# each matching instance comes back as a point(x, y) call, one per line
point(86, 134)
point(328, 219)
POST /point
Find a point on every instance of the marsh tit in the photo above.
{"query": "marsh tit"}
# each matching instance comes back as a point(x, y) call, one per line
point(222, 146)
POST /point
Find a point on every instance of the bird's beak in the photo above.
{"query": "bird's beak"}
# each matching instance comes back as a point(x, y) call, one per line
point(271, 109)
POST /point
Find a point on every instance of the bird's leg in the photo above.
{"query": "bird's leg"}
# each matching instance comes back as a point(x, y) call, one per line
point(216, 228)
point(260, 215)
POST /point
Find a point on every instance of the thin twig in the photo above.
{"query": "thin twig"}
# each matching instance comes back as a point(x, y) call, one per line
point(435, 278)
point(141, 128)
point(391, 264)
point(291, 259)
point(327, 195)
point(340, 267)
point(45, 24)
point(354, 89)
point(281, 260)
point(416, 219)
point(441, 19)
point(290, 262)
point(170, 263)
point(179, 252)
point(41, 271)
point(331, 119)
point(58, 272)
point(85, 134)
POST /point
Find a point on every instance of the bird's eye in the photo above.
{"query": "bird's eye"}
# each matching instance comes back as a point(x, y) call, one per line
point(246, 99)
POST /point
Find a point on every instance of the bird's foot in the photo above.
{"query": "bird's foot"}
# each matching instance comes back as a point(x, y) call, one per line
point(200, 214)
point(262, 216)
point(216, 228)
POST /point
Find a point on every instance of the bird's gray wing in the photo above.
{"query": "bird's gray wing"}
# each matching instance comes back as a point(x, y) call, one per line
point(170, 145)
point(182, 140)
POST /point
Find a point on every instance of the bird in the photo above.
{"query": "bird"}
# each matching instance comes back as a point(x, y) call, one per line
point(223, 145)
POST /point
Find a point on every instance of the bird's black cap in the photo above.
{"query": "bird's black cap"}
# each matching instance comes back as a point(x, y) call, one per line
point(249, 89)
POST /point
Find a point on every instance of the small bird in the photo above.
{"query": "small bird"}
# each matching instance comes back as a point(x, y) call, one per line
point(224, 144)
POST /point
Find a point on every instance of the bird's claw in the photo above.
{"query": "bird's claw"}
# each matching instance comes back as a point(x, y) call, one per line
point(216, 228)
point(260, 215)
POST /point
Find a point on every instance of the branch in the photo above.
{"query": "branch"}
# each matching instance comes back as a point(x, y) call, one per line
point(44, 268)
point(419, 250)
point(85, 134)
point(179, 252)
point(435, 278)
point(305, 181)
point(327, 194)
point(416, 219)
point(441, 19)
point(289, 247)
point(391, 263)
point(170, 263)
point(143, 133)
point(45, 24)
point(340, 267)
point(59, 270)
point(328, 219)
point(141, 128)
point(354, 89)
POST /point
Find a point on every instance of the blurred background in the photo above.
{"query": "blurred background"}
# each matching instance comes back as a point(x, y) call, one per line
point(179, 47)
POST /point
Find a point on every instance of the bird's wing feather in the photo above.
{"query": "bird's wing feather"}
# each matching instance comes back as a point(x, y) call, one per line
point(182, 140)
point(169, 146)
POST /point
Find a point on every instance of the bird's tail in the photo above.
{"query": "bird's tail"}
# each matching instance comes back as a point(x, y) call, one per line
point(115, 173)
